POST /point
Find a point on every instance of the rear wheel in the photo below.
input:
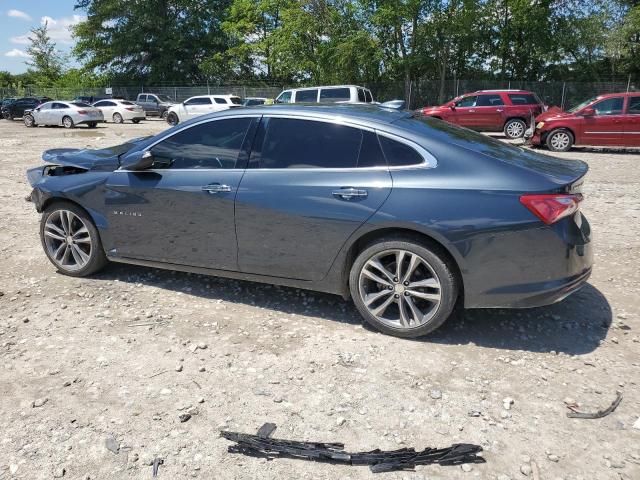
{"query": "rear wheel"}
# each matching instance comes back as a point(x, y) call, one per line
point(164, 115)
point(29, 121)
point(71, 240)
point(515, 128)
point(560, 140)
point(136, 120)
point(117, 118)
point(403, 288)
point(92, 124)
point(7, 116)
point(172, 118)
point(67, 122)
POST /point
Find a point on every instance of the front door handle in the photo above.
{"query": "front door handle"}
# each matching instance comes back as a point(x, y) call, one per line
point(472, 111)
point(347, 193)
point(499, 110)
point(216, 188)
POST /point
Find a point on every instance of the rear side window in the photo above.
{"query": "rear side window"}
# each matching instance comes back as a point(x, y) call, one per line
point(610, 106)
point(399, 154)
point(126, 102)
point(292, 143)
point(105, 104)
point(81, 104)
point(361, 96)
point(199, 101)
point(368, 96)
point(206, 145)
point(307, 95)
point(523, 99)
point(236, 100)
point(634, 106)
point(489, 101)
point(220, 101)
point(335, 94)
point(59, 105)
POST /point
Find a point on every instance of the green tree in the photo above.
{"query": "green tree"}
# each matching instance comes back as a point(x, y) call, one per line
point(46, 62)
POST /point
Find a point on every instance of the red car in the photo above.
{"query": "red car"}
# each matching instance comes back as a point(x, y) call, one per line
point(491, 110)
point(607, 120)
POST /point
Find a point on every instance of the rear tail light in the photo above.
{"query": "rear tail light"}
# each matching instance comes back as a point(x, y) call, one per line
point(131, 109)
point(82, 112)
point(552, 207)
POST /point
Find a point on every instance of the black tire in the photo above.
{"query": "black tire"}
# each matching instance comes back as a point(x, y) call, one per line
point(172, 119)
point(515, 128)
point(7, 116)
point(97, 259)
point(117, 118)
point(136, 120)
point(67, 122)
point(29, 121)
point(560, 140)
point(164, 115)
point(440, 269)
point(92, 124)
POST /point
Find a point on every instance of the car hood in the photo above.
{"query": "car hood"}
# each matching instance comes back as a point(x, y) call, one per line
point(554, 113)
point(104, 159)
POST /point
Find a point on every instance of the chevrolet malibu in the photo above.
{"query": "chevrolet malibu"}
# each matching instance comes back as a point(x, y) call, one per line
point(409, 217)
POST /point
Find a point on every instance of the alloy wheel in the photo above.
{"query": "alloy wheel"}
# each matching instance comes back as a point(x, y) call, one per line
point(67, 122)
point(560, 141)
point(515, 129)
point(67, 240)
point(400, 289)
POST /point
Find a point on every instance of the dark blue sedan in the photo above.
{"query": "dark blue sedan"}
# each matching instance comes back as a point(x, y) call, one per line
point(410, 217)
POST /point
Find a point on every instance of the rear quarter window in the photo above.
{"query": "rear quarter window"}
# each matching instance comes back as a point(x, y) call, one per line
point(399, 154)
point(523, 99)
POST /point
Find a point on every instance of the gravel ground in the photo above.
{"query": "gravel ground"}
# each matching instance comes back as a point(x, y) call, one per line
point(94, 373)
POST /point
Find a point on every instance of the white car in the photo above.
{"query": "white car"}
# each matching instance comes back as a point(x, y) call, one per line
point(120, 111)
point(67, 114)
point(327, 94)
point(201, 105)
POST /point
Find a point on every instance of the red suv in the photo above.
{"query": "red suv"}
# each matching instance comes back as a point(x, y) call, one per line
point(607, 120)
point(490, 110)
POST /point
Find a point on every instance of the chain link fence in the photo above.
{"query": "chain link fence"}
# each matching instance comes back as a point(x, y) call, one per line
point(418, 93)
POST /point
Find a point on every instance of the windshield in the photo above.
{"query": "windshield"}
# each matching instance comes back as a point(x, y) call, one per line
point(164, 98)
point(580, 106)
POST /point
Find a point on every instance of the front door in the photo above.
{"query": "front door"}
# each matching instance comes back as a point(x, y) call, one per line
point(181, 210)
point(489, 112)
point(466, 112)
point(606, 126)
point(197, 106)
point(309, 186)
point(632, 122)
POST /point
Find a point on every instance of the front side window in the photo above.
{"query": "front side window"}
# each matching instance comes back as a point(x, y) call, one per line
point(610, 106)
point(634, 106)
point(198, 101)
point(142, 98)
point(399, 154)
point(284, 97)
point(208, 145)
point(368, 96)
point(361, 96)
point(45, 106)
point(307, 95)
point(292, 143)
point(489, 101)
point(335, 94)
point(467, 101)
point(105, 103)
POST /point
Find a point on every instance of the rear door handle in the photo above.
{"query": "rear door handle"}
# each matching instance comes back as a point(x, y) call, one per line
point(347, 193)
point(216, 188)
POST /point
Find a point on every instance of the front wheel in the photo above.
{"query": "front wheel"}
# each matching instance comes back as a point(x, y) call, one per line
point(164, 115)
point(67, 122)
point(29, 121)
point(560, 140)
point(172, 118)
point(515, 128)
point(403, 288)
point(71, 240)
point(7, 116)
point(136, 120)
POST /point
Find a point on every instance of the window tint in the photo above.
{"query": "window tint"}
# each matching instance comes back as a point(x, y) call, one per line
point(307, 95)
point(236, 100)
point(59, 105)
point(105, 103)
point(368, 96)
point(467, 101)
point(285, 97)
point(610, 106)
point(634, 106)
point(335, 94)
point(214, 144)
point(361, 95)
point(142, 98)
point(290, 143)
point(198, 101)
point(399, 154)
point(489, 101)
point(220, 100)
point(370, 151)
point(523, 99)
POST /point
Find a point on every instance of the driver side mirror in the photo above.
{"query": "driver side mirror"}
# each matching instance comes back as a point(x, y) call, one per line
point(452, 106)
point(137, 161)
point(589, 112)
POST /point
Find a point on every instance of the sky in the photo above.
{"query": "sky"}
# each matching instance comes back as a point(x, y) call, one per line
point(18, 17)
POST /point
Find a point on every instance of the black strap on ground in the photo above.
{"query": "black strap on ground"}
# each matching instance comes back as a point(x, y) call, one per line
point(263, 446)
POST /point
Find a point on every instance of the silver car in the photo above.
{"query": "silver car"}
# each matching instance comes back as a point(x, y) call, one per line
point(67, 114)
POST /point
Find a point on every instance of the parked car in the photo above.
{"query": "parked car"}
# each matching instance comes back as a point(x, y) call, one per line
point(155, 104)
point(253, 101)
point(606, 120)
point(7, 100)
point(510, 111)
point(407, 216)
point(200, 105)
point(120, 111)
point(326, 94)
point(67, 114)
point(17, 108)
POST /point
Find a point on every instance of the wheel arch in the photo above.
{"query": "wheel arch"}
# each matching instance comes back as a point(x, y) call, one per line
point(98, 219)
point(515, 117)
point(426, 239)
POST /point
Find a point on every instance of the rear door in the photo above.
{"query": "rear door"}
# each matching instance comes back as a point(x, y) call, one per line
point(197, 106)
point(308, 96)
point(181, 210)
point(606, 127)
point(310, 184)
point(632, 122)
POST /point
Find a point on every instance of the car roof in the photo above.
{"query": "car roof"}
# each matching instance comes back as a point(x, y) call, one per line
point(323, 86)
point(215, 96)
point(505, 90)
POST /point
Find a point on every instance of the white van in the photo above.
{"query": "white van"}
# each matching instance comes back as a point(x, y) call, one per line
point(328, 94)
